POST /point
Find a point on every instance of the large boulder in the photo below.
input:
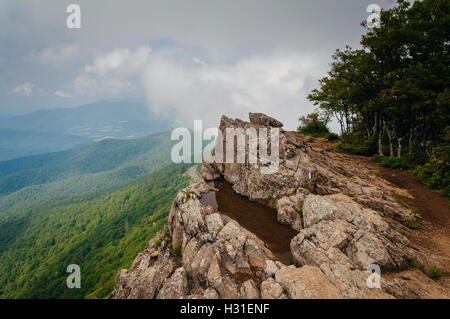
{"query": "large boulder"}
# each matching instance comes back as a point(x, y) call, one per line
point(307, 282)
point(264, 120)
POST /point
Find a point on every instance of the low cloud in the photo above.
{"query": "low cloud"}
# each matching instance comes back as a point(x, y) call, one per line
point(55, 56)
point(276, 84)
point(63, 94)
point(184, 90)
point(23, 89)
point(112, 73)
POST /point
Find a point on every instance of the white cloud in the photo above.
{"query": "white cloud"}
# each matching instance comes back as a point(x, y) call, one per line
point(275, 84)
point(23, 89)
point(55, 55)
point(62, 94)
point(185, 90)
point(113, 72)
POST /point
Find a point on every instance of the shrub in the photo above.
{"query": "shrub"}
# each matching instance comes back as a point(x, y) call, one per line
point(377, 158)
point(332, 136)
point(166, 237)
point(403, 232)
point(377, 173)
point(406, 162)
point(190, 193)
point(354, 148)
point(393, 162)
point(177, 251)
point(433, 273)
point(157, 243)
point(411, 224)
point(436, 175)
point(353, 143)
point(313, 125)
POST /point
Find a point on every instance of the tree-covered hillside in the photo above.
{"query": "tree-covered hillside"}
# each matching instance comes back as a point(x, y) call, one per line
point(84, 169)
point(102, 233)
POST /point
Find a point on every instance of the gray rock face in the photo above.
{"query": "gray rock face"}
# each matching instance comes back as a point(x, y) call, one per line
point(289, 209)
point(175, 286)
point(307, 282)
point(146, 275)
point(346, 218)
point(264, 120)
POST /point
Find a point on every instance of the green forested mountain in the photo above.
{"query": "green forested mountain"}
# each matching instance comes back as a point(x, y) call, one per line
point(84, 169)
point(101, 232)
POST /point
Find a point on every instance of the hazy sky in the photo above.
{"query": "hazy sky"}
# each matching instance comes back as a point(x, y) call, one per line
point(198, 58)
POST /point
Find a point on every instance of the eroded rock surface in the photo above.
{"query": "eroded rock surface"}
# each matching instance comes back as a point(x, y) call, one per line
point(346, 218)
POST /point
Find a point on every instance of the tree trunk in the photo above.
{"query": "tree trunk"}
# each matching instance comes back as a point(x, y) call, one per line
point(399, 150)
point(375, 125)
point(389, 134)
point(410, 142)
point(380, 143)
point(380, 138)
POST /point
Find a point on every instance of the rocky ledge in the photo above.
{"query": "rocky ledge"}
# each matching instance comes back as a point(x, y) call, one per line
point(346, 218)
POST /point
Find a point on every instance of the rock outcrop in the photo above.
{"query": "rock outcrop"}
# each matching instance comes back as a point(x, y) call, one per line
point(346, 218)
point(264, 120)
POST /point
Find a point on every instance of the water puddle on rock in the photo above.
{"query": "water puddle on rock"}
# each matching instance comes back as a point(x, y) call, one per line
point(259, 219)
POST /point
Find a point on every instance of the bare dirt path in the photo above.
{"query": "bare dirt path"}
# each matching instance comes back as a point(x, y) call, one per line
point(433, 238)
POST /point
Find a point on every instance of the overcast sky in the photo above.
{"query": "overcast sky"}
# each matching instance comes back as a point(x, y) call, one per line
point(198, 58)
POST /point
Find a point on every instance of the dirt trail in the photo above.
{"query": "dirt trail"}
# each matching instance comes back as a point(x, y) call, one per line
point(433, 238)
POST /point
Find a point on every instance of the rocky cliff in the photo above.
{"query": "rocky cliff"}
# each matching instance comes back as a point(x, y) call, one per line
point(345, 217)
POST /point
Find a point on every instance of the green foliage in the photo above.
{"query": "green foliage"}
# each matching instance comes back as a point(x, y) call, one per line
point(391, 97)
point(353, 143)
point(395, 163)
point(157, 243)
point(102, 233)
point(177, 251)
point(86, 169)
point(362, 148)
point(313, 125)
point(377, 173)
point(436, 174)
point(433, 273)
point(406, 162)
point(403, 232)
point(190, 194)
point(411, 224)
point(332, 136)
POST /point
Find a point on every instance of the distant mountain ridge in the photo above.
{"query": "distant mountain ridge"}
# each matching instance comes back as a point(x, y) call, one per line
point(51, 130)
point(84, 169)
point(19, 143)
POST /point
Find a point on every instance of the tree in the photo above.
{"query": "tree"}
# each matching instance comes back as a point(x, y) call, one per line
point(314, 125)
point(395, 89)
